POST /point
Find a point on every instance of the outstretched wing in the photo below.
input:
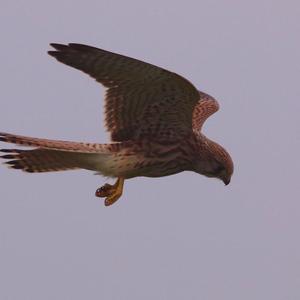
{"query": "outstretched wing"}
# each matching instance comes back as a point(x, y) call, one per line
point(142, 100)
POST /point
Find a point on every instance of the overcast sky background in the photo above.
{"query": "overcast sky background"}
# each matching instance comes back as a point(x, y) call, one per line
point(178, 237)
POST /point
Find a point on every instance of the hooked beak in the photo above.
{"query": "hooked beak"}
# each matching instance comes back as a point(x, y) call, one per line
point(226, 181)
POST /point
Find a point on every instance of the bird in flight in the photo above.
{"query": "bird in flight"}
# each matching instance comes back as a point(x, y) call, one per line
point(154, 117)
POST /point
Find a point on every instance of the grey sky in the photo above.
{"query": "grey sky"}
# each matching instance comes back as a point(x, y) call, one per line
point(178, 237)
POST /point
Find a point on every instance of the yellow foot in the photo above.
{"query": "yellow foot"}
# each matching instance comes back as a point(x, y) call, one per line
point(111, 193)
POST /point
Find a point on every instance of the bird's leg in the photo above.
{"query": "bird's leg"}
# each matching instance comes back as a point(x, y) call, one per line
point(111, 193)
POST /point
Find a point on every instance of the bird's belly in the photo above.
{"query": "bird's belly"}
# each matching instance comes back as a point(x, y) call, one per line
point(151, 160)
point(159, 169)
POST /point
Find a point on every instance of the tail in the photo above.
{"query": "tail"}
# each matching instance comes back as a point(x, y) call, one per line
point(52, 155)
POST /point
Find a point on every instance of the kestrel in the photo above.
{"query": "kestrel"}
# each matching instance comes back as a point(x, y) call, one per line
point(154, 118)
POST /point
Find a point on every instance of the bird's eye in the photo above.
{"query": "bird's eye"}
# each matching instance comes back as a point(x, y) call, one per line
point(220, 169)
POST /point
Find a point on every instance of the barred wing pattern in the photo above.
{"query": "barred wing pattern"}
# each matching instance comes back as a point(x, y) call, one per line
point(204, 109)
point(142, 100)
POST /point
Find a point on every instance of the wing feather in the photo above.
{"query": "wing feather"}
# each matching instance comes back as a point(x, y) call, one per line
point(203, 110)
point(142, 100)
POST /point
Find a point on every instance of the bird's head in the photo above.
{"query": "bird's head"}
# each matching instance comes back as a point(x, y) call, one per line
point(214, 161)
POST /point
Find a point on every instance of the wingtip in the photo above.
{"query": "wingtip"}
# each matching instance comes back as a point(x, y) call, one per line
point(53, 53)
point(58, 46)
point(70, 47)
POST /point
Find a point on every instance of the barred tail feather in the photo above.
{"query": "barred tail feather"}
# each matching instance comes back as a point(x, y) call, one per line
point(38, 160)
point(52, 155)
point(51, 144)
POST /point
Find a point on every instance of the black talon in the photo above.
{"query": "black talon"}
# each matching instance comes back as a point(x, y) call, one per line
point(103, 191)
